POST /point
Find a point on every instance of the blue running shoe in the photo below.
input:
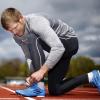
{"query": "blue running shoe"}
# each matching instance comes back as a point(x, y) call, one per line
point(32, 91)
point(96, 79)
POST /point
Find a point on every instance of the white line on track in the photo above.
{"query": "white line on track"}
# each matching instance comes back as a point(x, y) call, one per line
point(28, 98)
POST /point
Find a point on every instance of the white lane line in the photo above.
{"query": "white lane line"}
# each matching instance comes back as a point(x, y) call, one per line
point(28, 98)
point(7, 89)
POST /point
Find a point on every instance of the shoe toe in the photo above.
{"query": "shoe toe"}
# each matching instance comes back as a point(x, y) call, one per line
point(21, 92)
point(18, 91)
point(31, 91)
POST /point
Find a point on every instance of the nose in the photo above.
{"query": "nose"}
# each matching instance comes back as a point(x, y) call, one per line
point(14, 32)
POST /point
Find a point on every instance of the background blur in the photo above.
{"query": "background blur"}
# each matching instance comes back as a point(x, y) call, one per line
point(82, 15)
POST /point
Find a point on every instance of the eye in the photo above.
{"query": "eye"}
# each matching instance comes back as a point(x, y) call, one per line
point(14, 27)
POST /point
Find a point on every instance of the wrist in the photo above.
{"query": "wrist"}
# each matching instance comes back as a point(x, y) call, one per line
point(44, 69)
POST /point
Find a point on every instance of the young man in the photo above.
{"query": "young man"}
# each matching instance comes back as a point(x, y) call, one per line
point(37, 35)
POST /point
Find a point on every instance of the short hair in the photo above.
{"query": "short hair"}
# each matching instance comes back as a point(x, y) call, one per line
point(9, 15)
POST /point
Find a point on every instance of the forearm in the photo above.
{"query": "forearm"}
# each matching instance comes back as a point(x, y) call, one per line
point(44, 69)
point(54, 56)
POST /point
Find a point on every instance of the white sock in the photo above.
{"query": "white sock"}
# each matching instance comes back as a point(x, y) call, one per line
point(30, 67)
point(90, 76)
point(41, 85)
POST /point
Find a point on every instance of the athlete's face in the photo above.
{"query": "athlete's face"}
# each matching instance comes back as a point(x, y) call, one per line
point(17, 28)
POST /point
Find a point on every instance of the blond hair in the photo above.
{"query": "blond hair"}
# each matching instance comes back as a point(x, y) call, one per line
point(9, 15)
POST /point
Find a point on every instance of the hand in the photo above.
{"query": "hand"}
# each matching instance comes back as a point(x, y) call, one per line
point(37, 76)
point(27, 83)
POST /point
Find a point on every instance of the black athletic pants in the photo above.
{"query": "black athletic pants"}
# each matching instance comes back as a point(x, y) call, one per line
point(56, 84)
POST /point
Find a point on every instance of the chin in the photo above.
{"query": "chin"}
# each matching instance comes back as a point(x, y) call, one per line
point(21, 34)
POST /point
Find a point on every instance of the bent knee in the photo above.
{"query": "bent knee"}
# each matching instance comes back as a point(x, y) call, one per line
point(54, 90)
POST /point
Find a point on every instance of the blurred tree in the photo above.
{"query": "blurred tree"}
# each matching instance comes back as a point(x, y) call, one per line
point(97, 67)
point(10, 68)
point(80, 65)
point(23, 70)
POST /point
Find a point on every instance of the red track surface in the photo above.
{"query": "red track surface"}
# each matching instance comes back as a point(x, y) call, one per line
point(7, 93)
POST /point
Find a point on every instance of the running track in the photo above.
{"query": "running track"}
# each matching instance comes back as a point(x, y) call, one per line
point(8, 93)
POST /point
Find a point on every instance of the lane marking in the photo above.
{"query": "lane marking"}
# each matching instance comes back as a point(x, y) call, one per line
point(28, 98)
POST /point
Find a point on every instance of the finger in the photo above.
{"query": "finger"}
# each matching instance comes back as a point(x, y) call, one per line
point(31, 80)
point(28, 81)
point(27, 84)
point(31, 77)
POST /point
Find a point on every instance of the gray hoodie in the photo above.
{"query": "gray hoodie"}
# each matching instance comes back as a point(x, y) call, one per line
point(50, 30)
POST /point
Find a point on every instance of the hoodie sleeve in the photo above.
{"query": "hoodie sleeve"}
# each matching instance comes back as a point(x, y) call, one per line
point(42, 27)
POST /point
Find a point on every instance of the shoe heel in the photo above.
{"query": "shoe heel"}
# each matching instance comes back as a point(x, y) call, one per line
point(42, 94)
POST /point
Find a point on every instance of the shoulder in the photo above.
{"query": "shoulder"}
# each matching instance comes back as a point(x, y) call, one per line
point(37, 22)
point(36, 18)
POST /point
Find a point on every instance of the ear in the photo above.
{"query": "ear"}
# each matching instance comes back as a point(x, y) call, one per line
point(21, 19)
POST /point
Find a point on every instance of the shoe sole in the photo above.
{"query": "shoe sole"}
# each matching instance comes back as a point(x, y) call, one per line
point(30, 96)
point(40, 96)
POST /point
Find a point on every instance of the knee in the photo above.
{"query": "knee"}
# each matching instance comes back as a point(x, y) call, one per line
point(54, 90)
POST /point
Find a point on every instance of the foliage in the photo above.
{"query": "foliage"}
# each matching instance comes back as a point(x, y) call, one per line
point(78, 66)
point(81, 65)
point(13, 68)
